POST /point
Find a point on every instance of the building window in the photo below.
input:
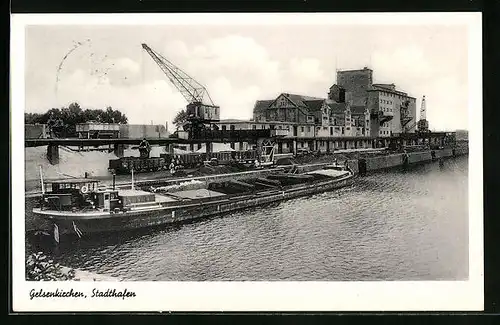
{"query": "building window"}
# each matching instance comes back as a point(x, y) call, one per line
point(347, 128)
point(263, 126)
point(301, 129)
point(254, 127)
point(308, 129)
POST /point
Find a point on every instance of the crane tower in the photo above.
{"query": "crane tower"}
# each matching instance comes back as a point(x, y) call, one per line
point(423, 124)
point(201, 111)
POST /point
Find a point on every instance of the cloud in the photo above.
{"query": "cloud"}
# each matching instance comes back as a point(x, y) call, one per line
point(308, 69)
point(239, 104)
point(306, 76)
point(127, 64)
point(237, 70)
point(141, 103)
point(447, 104)
point(236, 58)
point(408, 64)
point(412, 71)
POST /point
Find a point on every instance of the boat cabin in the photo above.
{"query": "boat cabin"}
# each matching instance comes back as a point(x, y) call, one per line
point(78, 194)
point(72, 185)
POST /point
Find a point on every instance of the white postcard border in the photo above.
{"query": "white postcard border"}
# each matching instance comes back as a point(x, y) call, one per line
point(255, 296)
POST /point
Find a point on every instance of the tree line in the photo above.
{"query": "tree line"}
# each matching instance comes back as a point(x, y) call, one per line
point(63, 121)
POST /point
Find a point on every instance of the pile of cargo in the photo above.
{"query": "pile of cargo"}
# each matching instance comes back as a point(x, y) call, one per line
point(130, 197)
point(184, 186)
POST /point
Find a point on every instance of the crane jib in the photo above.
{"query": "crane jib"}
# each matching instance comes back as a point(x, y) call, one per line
point(191, 89)
point(199, 109)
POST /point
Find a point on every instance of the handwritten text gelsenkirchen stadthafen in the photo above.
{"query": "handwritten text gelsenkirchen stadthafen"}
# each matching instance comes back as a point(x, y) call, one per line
point(96, 293)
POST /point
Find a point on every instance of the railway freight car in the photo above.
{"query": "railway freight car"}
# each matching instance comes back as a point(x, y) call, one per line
point(189, 160)
point(125, 165)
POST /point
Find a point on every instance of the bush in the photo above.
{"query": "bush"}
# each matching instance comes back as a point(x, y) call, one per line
point(40, 268)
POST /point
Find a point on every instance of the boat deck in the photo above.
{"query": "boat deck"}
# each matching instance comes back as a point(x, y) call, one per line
point(197, 194)
point(329, 172)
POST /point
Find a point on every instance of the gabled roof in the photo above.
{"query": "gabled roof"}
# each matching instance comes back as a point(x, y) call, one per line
point(262, 105)
point(336, 107)
point(306, 104)
point(314, 105)
point(297, 100)
point(301, 100)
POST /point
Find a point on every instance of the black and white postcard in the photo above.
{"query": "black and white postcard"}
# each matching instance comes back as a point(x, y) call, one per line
point(247, 162)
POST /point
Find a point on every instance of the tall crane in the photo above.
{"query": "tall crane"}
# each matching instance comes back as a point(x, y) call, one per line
point(200, 109)
point(423, 124)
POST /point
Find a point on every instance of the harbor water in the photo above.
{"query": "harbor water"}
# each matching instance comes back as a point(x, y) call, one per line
point(393, 225)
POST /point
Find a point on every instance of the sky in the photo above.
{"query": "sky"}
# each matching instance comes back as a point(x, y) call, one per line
point(106, 66)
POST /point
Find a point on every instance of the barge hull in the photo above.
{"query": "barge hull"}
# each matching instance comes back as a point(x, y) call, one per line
point(178, 214)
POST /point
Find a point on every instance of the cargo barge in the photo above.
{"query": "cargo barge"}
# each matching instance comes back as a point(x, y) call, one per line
point(80, 207)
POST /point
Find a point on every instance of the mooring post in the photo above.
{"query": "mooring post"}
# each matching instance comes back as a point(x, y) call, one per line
point(53, 153)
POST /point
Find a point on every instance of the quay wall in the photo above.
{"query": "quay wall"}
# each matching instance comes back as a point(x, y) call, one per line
point(461, 151)
point(443, 153)
point(417, 157)
point(381, 162)
point(395, 160)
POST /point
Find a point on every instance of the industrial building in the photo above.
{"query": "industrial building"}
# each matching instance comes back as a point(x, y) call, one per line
point(392, 111)
point(95, 130)
point(113, 130)
point(36, 131)
point(356, 114)
point(136, 131)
